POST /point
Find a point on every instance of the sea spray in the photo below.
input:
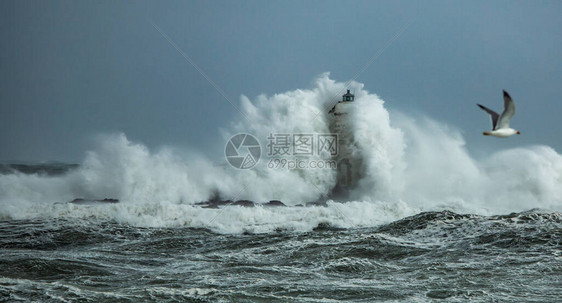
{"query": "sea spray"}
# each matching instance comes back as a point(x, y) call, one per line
point(411, 164)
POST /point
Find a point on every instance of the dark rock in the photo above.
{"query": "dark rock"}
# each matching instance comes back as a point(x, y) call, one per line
point(214, 203)
point(86, 201)
point(275, 203)
point(245, 203)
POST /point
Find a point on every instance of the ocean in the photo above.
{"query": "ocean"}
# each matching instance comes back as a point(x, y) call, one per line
point(425, 221)
point(80, 253)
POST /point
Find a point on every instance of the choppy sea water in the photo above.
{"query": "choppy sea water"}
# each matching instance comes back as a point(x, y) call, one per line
point(429, 256)
point(426, 222)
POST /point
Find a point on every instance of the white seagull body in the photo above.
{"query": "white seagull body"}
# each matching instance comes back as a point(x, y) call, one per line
point(500, 123)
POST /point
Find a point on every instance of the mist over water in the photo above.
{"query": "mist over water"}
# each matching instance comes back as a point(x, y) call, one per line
point(411, 164)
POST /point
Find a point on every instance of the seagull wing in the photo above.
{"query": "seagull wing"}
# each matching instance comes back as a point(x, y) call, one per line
point(508, 111)
point(493, 115)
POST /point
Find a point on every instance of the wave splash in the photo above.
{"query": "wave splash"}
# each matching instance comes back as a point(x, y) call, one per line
point(411, 164)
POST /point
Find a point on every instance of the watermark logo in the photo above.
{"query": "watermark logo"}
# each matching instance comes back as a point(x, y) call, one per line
point(284, 150)
point(243, 151)
point(280, 144)
point(284, 163)
point(290, 151)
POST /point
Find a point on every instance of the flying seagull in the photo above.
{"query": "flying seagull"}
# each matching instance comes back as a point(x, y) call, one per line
point(500, 123)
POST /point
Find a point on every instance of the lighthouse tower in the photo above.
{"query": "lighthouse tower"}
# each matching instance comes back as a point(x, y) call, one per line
point(348, 159)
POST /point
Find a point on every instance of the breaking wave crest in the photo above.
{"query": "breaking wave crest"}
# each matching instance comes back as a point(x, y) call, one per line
point(411, 164)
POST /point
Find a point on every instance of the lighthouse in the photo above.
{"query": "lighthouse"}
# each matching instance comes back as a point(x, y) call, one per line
point(348, 158)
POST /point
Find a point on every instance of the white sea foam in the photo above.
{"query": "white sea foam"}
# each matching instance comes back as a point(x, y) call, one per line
point(411, 164)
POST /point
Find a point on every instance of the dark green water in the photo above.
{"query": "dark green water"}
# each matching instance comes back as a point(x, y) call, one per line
point(437, 256)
